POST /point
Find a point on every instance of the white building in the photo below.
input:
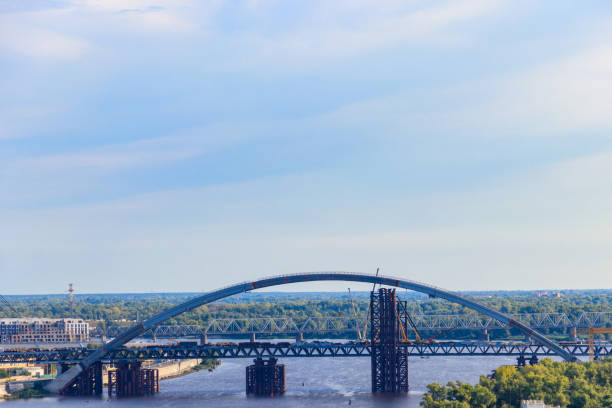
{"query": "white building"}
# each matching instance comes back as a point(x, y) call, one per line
point(40, 330)
point(535, 404)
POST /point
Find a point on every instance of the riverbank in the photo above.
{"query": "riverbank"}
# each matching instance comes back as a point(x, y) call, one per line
point(35, 388)
point(187, 367)
point(23, 390)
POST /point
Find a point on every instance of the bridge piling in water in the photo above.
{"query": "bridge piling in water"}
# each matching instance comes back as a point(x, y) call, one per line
point(265, 378)
point(130, 380)
point(389, 357)
point(88, 383)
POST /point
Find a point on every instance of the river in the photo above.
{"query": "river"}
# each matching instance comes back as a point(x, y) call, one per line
point(311, 382)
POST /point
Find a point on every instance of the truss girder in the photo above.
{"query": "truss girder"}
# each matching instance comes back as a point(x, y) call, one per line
point(284, 350)
point(342, 324)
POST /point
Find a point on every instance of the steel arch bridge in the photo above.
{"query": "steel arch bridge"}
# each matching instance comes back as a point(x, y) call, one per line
point(66, 378)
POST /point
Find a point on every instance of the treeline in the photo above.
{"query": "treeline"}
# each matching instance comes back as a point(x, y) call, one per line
point(571, 385)
point(112, 309)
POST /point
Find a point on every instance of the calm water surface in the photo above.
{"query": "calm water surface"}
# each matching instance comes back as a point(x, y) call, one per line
point(311, 382)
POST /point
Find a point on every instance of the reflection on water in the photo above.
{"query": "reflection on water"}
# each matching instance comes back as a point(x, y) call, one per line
point(311, 382)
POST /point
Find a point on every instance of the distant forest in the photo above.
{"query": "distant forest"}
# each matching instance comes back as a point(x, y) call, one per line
point(121, 309)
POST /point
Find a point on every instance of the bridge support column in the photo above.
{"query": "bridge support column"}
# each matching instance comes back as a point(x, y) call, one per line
point(389, 357)
point(573, 334)
point(203, 339)
point(265, 378)
point(252, 337)
point(130, 380)
point(89, 382)
point(299, 338)
point(485, 335)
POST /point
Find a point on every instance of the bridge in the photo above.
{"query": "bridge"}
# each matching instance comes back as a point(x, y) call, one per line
point(292, 350)
point(339, 324)
point(388, 321)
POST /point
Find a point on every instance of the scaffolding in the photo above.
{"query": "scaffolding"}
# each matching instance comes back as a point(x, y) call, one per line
point(265, 378)
point(88, 383)
point(130, 380)
point(389, 354)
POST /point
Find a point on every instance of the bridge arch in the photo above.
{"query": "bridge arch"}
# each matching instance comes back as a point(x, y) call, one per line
point(66, 378)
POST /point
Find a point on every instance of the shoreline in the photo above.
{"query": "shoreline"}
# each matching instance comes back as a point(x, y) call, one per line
point(208, 364)
point(36, 390)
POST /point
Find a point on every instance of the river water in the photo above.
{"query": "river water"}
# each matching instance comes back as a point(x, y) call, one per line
point(311, 382)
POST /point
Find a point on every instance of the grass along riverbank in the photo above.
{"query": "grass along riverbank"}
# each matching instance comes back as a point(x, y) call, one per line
point(35, 391)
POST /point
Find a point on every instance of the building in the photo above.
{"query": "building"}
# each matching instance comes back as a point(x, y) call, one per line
point(535, 404)
point(39, 330)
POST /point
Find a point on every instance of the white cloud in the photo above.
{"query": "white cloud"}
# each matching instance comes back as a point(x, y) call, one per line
point(38, 42)
point(349, 29)
point(136, 17)
point(564, 96)
point(567, 95)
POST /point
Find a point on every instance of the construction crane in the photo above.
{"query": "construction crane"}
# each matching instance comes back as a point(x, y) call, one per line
point(361, 337)
point(414, 329)
point(592, 331)
point(441, 332)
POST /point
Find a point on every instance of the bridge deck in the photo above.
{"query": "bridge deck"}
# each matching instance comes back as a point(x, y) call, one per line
point(285, 349)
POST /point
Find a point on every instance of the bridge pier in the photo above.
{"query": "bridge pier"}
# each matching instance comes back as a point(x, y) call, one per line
point(299, 337)
point(389, 358)
point(203, 339)
point(485, 335)
point(130, 380)
point(265, 378)
point(573, 333)
point(521, 361)
point(252, 337)
point(88, 383)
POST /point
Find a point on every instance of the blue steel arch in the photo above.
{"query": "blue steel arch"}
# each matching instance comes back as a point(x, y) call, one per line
point(66, 378)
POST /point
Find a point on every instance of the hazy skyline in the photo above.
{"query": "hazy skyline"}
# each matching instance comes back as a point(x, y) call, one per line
point(183, 145)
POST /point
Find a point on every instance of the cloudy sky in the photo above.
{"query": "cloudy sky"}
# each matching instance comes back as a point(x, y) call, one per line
point(182, 145)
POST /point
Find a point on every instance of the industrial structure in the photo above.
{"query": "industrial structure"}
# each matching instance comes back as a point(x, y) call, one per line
point(592, 331)
point(388, 349)
point(87, 384)
point(131, 380)
point(265, 378)
point(38, 330)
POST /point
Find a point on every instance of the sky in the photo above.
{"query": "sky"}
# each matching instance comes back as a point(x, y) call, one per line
point(180, 145)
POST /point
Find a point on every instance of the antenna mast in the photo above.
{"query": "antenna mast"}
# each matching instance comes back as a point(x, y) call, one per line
point(71, 301)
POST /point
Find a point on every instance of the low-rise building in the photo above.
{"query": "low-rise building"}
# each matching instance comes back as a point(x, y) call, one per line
point(40, 330)
point(535, 404)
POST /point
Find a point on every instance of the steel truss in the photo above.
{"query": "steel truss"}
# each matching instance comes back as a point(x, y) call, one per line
point(389, 357)
point(284, 350)
point(343, 324)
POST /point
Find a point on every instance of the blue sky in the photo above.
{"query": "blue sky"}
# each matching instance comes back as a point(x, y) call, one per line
point(184, 145)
